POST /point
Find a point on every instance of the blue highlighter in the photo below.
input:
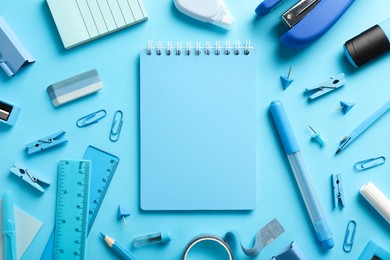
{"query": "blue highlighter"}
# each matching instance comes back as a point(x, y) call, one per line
point(369, 44)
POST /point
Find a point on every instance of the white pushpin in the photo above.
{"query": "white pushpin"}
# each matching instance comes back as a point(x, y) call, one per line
point(209, 11)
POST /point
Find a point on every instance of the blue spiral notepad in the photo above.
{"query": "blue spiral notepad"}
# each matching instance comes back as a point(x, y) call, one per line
point(198, 127)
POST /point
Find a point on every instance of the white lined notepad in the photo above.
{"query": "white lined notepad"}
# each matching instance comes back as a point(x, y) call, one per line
point(80, 21)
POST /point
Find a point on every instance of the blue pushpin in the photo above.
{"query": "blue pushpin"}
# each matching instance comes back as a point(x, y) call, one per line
point(317, 137)
point(122, 213)
point(346, 106)
point(286, 81)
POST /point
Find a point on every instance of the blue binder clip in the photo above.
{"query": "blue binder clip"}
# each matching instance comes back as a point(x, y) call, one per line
point(46, 142)
point(13, 55)
point(29, 177)
point(307, 20)
point(9, 113)
point(325, 87)
point(338, 191)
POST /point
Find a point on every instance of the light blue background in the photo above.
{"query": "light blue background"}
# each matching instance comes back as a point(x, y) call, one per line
point(116, 57)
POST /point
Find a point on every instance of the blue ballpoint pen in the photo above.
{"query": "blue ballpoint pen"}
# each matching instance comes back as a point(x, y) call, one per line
point(363, 126)
point(293, 152)
point(9, 227)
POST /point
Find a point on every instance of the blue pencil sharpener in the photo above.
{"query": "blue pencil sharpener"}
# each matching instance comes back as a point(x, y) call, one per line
point(9, 113)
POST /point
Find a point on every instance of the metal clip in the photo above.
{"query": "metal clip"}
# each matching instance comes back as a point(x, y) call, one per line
point(369, 163)
point(116, 126)
point(349, 237)
point(87, 120)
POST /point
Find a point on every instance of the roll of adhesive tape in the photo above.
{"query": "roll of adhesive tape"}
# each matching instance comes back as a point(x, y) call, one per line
point(207, 238)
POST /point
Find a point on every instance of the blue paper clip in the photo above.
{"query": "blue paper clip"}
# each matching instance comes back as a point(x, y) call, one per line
point(91, 118)
point(349, 236)
point(369, 163)
point(116, 126)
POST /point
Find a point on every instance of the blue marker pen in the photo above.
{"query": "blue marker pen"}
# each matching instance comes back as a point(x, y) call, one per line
point(293, 152)
point(369, 44)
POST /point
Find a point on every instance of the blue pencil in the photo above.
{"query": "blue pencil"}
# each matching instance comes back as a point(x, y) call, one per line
point(117, 248)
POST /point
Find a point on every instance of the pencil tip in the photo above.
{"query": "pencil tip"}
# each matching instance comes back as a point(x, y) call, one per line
point(338, 150)
point(103, 236)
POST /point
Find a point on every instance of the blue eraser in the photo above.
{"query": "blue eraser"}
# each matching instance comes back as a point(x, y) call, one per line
point(9, 113)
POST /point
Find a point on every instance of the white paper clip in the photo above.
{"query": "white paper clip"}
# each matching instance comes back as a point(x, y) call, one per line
point(369, 163)
point(29, 177)
point(116, 126)
point(46, 142)
point(325, 87)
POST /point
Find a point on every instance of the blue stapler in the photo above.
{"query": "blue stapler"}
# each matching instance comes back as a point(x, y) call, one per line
point(307, 20)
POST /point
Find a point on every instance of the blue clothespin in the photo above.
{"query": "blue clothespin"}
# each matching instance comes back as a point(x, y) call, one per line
point(122, 213)
point(286, 81)
point(338, 191)
point(29, 177)
point(46, 142)
point(346, 106)
point(13, 55)
point(325, 87)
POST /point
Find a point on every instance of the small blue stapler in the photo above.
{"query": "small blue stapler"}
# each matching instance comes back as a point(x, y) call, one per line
point(307, 20)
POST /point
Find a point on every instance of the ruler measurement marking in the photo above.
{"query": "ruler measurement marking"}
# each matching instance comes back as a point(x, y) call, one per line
point(72, 206)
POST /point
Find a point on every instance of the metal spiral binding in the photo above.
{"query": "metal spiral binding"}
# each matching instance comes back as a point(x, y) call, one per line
point(159, 48)
point(188, 49)
point(208, 49)
point(227, 48)
point(149, 49)
point(169, 49)
point(197, 49)
point(247, 46)
point(217, 48)
point(237, 48)
point(178, 48)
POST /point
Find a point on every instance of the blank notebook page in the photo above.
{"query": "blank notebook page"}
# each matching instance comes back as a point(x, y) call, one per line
point(198, 130)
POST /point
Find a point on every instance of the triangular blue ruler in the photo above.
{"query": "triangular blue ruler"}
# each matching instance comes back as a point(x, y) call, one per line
point(70, 233)
point(103, 169)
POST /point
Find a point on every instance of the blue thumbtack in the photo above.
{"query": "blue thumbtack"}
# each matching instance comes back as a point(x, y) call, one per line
point(122, 213)
point(346, 106)
point(317, 137)
point(286, 81)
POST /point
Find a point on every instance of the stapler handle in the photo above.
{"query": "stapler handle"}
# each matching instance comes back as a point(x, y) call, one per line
point(315, 24)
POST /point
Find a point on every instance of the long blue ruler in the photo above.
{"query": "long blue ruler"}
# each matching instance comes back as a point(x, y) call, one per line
point(103, 168)
point(70, 233)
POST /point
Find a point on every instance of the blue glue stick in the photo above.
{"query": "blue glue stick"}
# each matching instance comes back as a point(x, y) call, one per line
point(369, 44)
